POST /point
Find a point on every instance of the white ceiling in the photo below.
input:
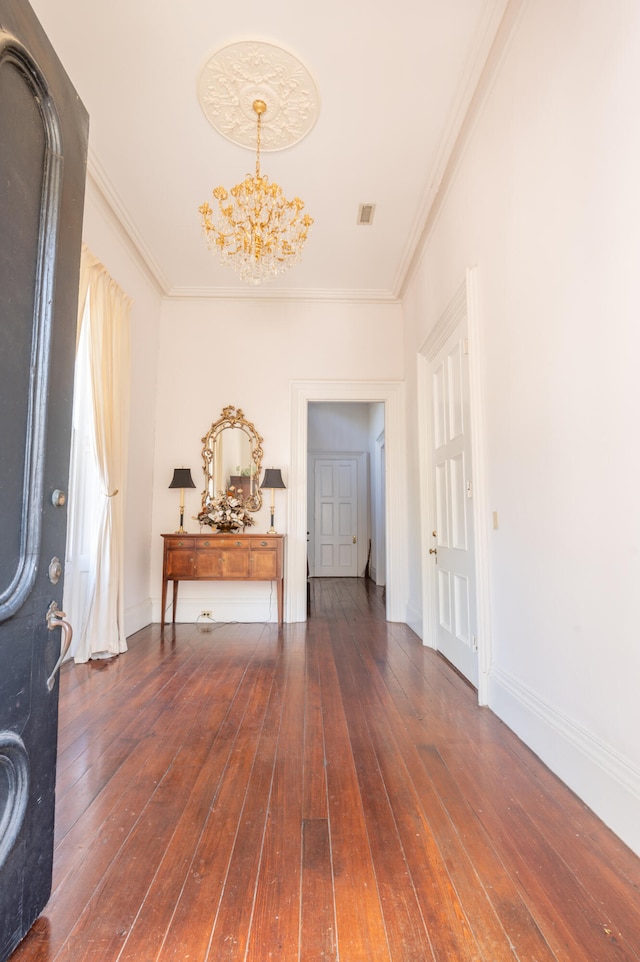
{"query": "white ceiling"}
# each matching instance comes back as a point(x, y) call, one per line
point(394, 81)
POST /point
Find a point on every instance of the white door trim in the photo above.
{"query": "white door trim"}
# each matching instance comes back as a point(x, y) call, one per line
point(391, 394)
point(466, 298)
point(379, 571)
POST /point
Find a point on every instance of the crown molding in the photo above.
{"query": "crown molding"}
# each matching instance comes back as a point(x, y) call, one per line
point(484, 64)
point(118, 215)
point(295, 295)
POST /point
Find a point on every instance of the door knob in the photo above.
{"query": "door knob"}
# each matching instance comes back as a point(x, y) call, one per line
point(433, 550)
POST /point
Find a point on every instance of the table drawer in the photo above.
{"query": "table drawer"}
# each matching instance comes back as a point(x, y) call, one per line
point(232, 541)
point(179, 542)
point(266, 543)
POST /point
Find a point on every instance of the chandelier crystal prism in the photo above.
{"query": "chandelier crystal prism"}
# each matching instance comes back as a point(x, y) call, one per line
point(255, 229)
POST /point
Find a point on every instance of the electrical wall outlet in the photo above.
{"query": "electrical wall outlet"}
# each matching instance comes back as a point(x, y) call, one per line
point(205, 614)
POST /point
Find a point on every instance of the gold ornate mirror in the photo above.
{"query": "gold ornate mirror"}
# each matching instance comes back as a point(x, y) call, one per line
point(232, 456)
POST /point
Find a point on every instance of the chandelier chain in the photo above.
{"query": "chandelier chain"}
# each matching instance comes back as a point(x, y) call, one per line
point(258, 147)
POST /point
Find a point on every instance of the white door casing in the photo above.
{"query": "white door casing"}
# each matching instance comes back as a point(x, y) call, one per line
point(378, 512)
point(391, 393)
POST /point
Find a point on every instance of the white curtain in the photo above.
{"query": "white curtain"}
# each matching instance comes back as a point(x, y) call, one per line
point(102, 633)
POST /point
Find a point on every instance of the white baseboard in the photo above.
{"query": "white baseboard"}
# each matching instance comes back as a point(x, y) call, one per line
point(414, 620)
point(223, 610)
point(607, 782)
point(137, 617)
point(373, 574)
point(226, 600)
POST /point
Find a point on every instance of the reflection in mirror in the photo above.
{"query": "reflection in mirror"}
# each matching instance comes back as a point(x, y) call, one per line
point(232, 456)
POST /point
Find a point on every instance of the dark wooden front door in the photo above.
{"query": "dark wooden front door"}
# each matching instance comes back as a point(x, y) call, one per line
point(43, 141)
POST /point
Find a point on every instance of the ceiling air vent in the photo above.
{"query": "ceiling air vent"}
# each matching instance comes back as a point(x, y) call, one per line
point(365, 213)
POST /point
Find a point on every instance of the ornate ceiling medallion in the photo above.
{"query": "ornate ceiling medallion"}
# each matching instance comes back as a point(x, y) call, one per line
point(241, 73)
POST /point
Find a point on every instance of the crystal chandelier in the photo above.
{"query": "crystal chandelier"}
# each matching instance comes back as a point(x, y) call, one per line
point(258, 231)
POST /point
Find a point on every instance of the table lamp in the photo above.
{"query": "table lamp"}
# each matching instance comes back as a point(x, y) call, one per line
point(272, 479)
point(182, 479)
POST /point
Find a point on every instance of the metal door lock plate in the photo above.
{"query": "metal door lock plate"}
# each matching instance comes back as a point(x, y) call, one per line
point(55, 571)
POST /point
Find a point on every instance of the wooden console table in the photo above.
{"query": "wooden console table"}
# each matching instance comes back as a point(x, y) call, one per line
point(222, 557)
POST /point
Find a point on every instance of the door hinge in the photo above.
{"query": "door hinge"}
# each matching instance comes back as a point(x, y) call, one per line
point(474, 642)
point(465, 345)
point(469, 489)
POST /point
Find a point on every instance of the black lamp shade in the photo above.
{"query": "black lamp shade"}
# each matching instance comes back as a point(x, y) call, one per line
point(272, 478)
point(182, 478)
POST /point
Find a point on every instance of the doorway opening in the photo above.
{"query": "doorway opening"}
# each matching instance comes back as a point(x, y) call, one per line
point(345, 490)
point(388, 444)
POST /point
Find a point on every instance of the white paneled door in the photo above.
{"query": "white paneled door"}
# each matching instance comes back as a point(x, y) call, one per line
point(452, 545)
point(336, 517)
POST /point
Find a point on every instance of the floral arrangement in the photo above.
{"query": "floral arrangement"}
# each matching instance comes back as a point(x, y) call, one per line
point(226, 512)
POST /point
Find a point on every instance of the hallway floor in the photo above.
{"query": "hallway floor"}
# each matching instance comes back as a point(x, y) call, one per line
point(323, 791)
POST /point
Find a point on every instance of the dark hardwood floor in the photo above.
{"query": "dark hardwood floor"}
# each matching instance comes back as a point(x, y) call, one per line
point(327, 791)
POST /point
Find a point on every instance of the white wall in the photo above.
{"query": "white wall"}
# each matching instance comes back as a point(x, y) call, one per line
point(247, 353)
point(546, 203)
point(107, 242)
point(338, 427)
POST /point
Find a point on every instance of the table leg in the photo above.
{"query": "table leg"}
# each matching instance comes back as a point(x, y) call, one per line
point(280, 593)
point(175, 600)
point(164, 601)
